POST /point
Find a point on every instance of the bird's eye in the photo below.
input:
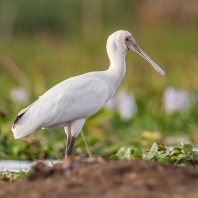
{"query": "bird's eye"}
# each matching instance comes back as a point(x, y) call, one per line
point(126, 39)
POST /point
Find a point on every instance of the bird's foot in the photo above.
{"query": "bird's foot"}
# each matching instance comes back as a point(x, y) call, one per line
point(67, 157)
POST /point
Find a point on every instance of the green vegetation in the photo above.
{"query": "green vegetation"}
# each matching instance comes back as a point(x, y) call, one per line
point(184, 155)
point(51, 44)
point(9, 176)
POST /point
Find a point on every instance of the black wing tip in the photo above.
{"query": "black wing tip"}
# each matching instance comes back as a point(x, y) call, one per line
point(17, 118)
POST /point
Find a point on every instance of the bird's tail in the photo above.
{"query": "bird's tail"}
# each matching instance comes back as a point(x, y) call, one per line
point(25, 123)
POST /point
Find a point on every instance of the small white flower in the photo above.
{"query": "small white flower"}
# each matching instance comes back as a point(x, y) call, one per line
point(19, 95)
point(175, 100)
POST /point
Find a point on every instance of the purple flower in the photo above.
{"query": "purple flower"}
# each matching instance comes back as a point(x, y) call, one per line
point(19, 95)
point(124, 103)
point(175, 100)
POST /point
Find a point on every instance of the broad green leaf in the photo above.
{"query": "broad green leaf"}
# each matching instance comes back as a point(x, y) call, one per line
point(187, 148)
point(181, 143)
point(184, 161)
point(161, 155)
point(128, 154)
point(121, 152)
point(138, 153)
point(194, 155)
point(175, 152)
point(164, 160)
point(182, 151)
point(177, 148)
point(174, 158)
point(152, 152)
point(17, 176)
point(182, 156)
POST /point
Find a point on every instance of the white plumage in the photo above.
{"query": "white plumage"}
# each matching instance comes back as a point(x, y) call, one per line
point(69, 103)
point(72, 99)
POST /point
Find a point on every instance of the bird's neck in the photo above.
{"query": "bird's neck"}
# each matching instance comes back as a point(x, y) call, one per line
point(117, 67)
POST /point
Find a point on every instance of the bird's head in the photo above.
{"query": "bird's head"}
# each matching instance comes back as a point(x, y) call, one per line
point(121, 41)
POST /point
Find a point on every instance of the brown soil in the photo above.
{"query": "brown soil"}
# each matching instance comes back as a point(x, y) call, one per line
point(93, 178)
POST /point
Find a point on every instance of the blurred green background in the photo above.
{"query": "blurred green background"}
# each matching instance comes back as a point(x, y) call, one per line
point(45, 42)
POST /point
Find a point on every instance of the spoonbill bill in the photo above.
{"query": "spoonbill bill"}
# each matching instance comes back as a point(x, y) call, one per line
point(68, 104)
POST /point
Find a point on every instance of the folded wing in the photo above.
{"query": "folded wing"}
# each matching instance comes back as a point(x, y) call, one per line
point(75, 98)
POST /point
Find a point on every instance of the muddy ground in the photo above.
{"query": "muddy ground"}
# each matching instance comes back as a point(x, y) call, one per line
point(93, 178)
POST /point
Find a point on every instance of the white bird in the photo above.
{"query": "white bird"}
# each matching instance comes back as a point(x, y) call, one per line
point(68, 104)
